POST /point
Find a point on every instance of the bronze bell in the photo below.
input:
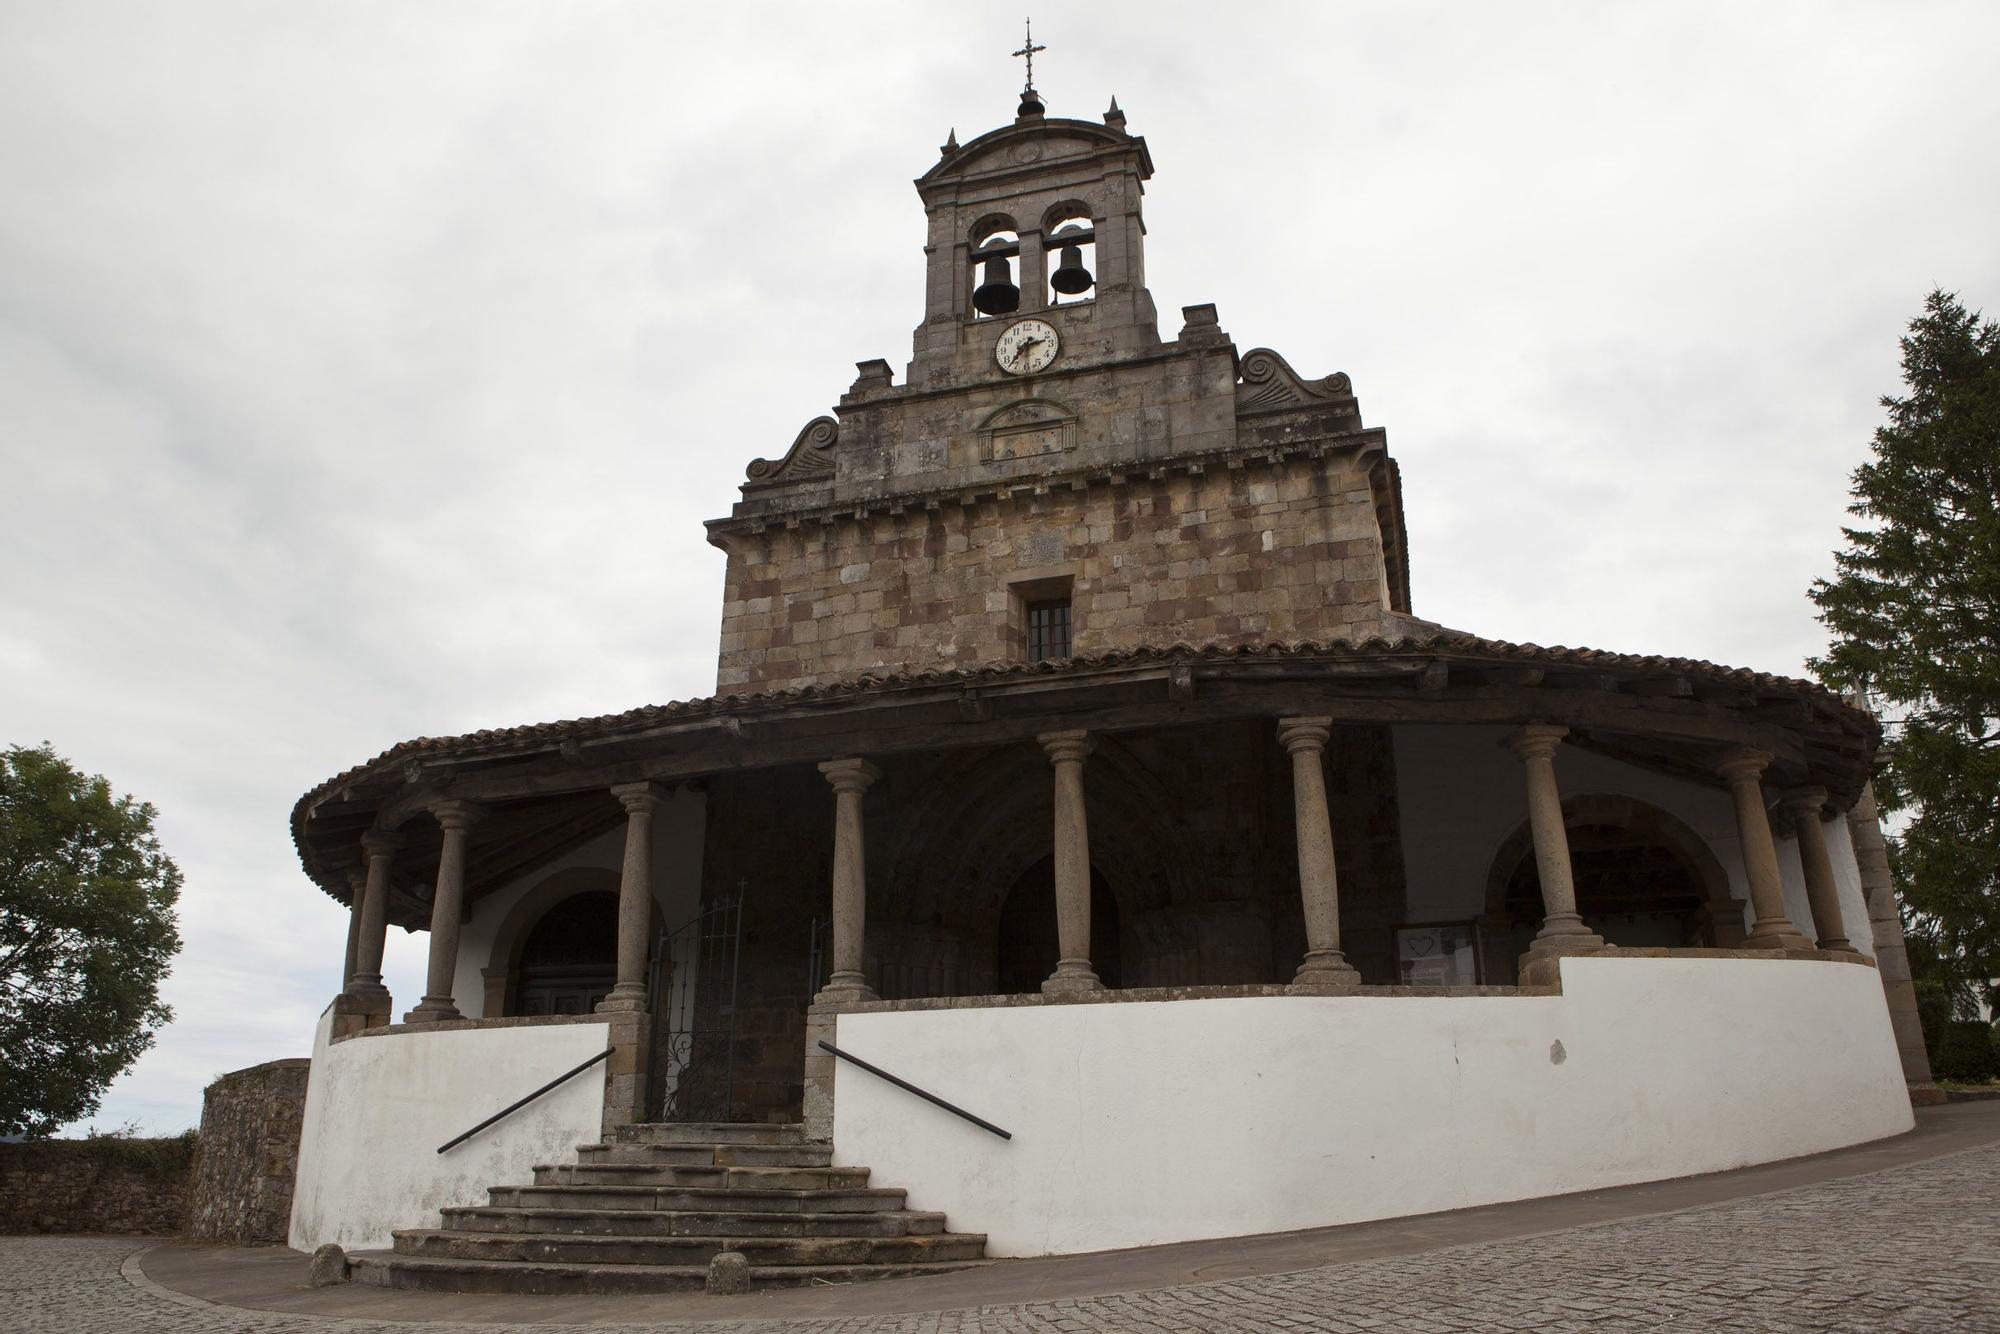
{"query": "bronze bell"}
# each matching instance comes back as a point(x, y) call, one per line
point(997, 295)
point(1070, 276)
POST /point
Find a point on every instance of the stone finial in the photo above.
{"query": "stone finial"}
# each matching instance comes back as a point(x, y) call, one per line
point(950, 144)
point(874, 373)
point(1114, 117)
point(1201, 327)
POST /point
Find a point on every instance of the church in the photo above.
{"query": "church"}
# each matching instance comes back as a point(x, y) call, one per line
point(1087, 846)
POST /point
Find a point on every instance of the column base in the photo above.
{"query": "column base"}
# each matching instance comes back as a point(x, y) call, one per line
point(1927, 1094)
point(1072, 977)
point(845, 988)
point(1563, 932)
point(1324, 972)
point(1780, 935)
point(1841, 943)
point(433, 1010)
point(625, 998)
point(369, 1000)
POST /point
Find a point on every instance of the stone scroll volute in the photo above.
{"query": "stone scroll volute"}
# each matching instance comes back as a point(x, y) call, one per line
point(810, 456)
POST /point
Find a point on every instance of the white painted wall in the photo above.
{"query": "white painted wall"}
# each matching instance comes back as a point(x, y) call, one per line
point(1462, 793)
point(377, 1108)
point(678, 828)
point(1138, 1123)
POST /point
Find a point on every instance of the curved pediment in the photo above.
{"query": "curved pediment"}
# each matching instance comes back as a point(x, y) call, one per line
point(1027, 143)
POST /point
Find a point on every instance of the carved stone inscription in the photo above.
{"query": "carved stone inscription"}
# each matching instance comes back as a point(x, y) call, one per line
point(1025, 429)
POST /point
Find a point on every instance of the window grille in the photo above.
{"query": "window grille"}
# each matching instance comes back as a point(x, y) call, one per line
point(1048, 630)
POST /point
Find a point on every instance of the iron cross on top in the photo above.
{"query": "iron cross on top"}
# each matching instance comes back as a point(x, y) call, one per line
point(1028, 49)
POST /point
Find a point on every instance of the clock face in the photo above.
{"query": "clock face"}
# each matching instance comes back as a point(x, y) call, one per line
point(1027, 347)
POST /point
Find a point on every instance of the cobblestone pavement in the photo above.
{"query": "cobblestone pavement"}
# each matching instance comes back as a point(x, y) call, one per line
point(1917, 1248)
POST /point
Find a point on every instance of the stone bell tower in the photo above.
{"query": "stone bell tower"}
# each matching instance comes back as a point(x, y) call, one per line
point(1053, 480)
point(1008, 207)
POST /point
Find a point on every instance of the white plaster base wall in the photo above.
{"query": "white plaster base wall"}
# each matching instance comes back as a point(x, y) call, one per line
point(377, 1108)
point(1140, 1123)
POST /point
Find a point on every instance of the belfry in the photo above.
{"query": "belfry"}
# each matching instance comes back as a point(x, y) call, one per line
point(1079, 782)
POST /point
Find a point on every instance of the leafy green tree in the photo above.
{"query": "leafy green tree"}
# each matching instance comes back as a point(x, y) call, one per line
point(1915, 614)
point(86, 935)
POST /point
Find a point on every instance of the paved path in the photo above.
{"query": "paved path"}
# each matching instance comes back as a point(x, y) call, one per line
point(1913, 1248)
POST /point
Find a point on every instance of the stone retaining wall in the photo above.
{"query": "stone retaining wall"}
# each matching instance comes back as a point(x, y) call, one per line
point(241, 1187)
point(95, 1185)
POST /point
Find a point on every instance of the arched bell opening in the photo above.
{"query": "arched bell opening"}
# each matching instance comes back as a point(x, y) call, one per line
point(569, 960)
point(1027, 946)
point(1071, 237)
point(1643, 880)
point(996, 248)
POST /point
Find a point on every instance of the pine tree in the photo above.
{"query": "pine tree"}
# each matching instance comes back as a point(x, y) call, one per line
point(1915, 615)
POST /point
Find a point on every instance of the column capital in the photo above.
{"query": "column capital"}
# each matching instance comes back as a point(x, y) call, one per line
point(1297, 734)
point(456, 813)
point(850, 775)
point(639, 797)
point(1740, 766)
point(1536, 740)
point(1804, 803)
point(381, 843)
point(1071, 746)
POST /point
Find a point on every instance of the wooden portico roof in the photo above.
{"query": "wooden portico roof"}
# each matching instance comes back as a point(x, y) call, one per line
point(547, 783)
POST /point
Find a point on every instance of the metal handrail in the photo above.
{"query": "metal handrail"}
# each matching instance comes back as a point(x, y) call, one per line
point(514, 1107)
point(908, 1087)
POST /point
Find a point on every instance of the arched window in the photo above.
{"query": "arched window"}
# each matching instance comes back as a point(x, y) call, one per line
point(1070, 240)
point(996, 248)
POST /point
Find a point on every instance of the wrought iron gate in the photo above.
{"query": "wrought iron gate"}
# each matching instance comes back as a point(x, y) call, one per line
point(693, 982)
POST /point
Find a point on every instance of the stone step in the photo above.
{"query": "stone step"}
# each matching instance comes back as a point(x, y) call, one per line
point(708, 1155)
point(709, 1132)
point(712, 1223)
point(565, 1248)
point(727, 1178)
point(697, 1199)
point(385, 1269)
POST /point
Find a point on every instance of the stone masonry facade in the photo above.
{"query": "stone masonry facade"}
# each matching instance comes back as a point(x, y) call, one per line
point(241, 1191)
point(1282, 550)
point(1166, 491)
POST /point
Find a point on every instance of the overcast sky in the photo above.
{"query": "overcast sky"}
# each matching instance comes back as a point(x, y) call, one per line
point(366, 370)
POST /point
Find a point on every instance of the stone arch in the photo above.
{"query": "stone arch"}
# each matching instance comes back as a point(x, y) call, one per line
point(985, 819)
point(502, 973)
point(991, 225)
point(1067, 210)
point(1720, 915)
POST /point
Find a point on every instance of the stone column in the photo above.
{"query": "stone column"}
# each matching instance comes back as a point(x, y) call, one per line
point(1562, 929)
point(447, 907)
point(848, 982)
point(635, 898)
point(1892, 955)
point(1325, 968)
point(1772, 929)
point(1822, 894)
point(1066, 751)
point(370, 997)
point(357, 889)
